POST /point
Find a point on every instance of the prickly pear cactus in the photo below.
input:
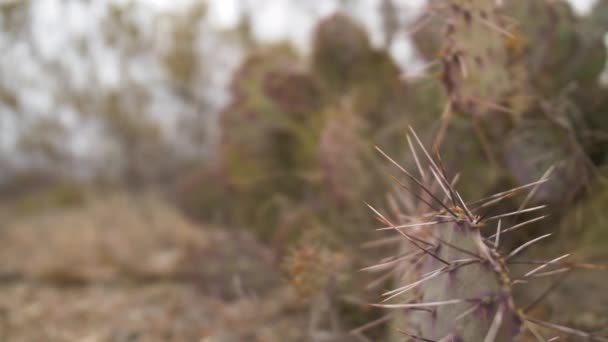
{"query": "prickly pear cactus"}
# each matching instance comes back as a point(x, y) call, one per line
point(588, 223)
point(297, 135)
point(340, 150)
point(342, 51)
point(267, 122)
point(463, 289)
point(537, 145)
point(479, 58)
point(350, 70)
point(504, 57)
point(560, 47)
point(463, 283)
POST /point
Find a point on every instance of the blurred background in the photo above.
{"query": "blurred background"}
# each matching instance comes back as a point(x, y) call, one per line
point(197, 170)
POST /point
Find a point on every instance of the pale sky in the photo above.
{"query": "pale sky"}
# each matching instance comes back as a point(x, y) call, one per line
point(56, 26)
point(294, 20)
point(275, 19)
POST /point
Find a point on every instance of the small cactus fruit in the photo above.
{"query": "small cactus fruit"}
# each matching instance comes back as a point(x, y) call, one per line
point(462, 289)
point(315, 264)
point(308, 270)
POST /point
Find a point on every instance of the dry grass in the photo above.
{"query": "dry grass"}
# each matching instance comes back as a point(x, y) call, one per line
point(131, 268)
point(109, 238)
point(154, 312)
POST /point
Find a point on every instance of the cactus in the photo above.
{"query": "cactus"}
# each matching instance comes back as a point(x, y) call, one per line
point(524, 73)
point(536, 145)
point(587, 222)
point(455, 283)
point(583, 233)
point(296, 136)
point(500, 56)
point(350, 70)
point(480, 57)
point(505, 60)
point(463, 287)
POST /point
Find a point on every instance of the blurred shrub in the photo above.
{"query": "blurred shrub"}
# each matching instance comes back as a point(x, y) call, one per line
point(57, 196)
point(298, 138)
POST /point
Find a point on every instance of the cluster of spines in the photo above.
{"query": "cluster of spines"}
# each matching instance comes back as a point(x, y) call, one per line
point(449, 256)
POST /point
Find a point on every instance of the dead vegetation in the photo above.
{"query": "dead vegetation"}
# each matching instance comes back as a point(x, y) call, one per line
point(131, 268)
